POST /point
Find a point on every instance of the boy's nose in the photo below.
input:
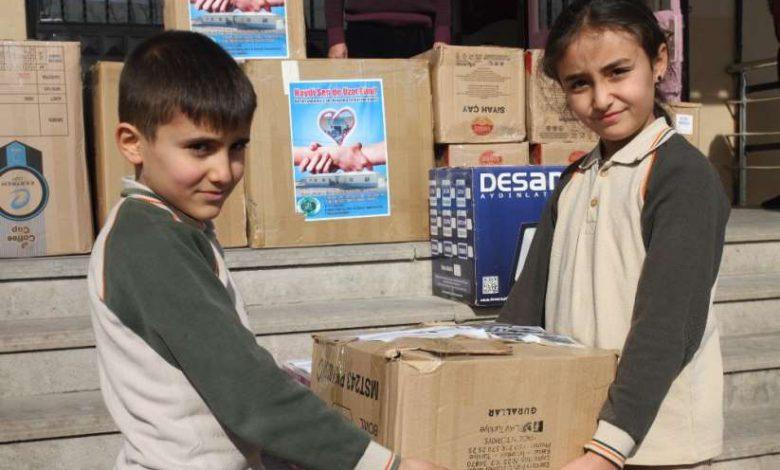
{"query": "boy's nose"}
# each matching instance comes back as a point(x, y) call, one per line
point(219, 171)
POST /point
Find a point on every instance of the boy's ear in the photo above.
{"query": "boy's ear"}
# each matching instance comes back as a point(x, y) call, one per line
point(661, 62)
point(129, 141)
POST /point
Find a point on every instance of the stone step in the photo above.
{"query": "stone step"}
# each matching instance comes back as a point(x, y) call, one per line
point(751, 364)
point(747, 361)
point(750, 257)
point(738, 310)
point(42, 360)
point(68, 297)
point(745, 226)
point(752, 442)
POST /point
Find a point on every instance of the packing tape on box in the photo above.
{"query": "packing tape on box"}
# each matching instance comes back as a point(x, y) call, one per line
point(290, 73)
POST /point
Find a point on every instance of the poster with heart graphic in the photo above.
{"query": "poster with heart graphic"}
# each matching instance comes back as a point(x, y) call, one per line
point(245, 34)
point(339, 149)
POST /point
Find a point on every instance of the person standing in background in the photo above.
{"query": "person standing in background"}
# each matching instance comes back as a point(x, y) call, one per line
point(385, 29)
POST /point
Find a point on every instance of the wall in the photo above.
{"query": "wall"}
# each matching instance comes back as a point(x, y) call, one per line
point(712, 49)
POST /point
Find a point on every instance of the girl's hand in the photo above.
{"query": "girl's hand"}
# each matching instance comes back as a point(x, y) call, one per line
point(589, 461)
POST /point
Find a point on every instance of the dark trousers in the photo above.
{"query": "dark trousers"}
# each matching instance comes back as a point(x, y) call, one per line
point(368, 39)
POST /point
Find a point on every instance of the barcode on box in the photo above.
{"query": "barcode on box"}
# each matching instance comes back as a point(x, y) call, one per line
point(489, 285)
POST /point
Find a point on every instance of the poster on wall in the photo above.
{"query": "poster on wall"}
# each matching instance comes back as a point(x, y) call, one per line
point(339, 149)
point(245, 31)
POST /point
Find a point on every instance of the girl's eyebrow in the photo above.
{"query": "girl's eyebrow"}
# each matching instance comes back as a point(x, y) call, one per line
point(611, 66)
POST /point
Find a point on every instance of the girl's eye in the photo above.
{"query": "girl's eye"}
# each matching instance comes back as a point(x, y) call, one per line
point(620, 72)
point(577, 85)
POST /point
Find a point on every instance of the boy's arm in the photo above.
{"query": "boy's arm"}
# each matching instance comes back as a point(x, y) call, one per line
point(683, 222)
point(164, 287)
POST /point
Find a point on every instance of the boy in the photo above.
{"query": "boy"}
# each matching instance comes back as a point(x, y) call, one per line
point(180, 373)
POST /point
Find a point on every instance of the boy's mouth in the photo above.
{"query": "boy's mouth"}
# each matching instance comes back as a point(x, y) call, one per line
point(213, 195)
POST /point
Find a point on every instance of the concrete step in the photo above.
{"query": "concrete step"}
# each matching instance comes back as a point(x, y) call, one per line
point(389, 271)
point(751, 433)
point(751, 438)
point(41, 359)
point(746, 304)
point(750, 257)
point(751, 364)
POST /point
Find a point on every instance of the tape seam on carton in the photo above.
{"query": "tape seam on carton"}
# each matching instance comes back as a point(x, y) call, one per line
point(290, 73)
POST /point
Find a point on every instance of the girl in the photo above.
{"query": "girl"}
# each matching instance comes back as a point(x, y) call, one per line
point(627, 252)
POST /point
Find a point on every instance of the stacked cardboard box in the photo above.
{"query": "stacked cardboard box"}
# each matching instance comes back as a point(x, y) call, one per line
point(44, 191)
point(374, 117)
point(554, 133)
point(13, 21)
point(479, 105)
point(279, 33)
point(466, 403)
point(111, 166)
point(686, 118)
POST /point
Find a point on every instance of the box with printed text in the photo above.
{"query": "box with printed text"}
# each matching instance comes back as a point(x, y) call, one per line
point(482, 223)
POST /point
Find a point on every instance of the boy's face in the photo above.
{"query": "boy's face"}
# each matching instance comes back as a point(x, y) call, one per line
point(192, 167)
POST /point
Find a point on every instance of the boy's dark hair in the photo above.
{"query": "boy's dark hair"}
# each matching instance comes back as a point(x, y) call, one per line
point(631, 16)
point(182, 71)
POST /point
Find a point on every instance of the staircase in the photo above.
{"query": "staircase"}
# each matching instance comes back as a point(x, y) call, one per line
point(52, 415)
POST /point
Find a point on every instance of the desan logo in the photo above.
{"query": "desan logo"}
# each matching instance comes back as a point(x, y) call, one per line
point(518, 182)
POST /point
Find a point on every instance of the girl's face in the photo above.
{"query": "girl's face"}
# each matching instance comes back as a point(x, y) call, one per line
point(610, 83)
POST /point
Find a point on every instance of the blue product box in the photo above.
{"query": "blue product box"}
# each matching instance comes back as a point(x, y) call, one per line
point(482, 223)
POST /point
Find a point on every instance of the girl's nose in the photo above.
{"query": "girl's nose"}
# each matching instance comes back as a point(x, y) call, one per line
point(602, 97)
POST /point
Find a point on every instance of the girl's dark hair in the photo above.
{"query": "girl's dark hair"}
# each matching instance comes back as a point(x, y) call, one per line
point(183, 71)
point(631, 16)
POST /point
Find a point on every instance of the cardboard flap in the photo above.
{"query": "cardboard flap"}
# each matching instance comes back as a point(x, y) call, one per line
point(460, 345)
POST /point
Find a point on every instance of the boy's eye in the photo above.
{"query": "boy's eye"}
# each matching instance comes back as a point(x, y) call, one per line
point(200, 148)
point(238, 147)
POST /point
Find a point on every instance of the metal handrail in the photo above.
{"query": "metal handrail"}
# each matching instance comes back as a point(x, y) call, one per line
point(741, 147)
point(751, 66)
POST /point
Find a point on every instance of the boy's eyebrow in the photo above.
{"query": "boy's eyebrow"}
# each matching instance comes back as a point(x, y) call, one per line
point(611, 66)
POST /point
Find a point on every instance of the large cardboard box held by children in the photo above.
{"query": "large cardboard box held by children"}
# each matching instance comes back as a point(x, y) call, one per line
point(478, 94)
point(549, 119)
point(454, 155)
point(111, 166)
point(482, 221)
point(466, 403)
point(373, 117)
point(44, 190)
point(278, 33)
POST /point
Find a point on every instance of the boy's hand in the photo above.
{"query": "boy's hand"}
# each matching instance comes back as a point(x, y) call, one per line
point(589, 461)
point(417, 464)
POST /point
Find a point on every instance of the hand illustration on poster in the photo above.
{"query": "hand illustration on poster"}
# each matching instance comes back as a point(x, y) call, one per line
point(246, 29)
point(339, 147)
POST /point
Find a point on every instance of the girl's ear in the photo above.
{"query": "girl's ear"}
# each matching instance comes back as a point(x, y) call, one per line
point(661, 63)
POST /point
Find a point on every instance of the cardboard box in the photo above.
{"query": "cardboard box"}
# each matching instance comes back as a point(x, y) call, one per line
point(383, 105)
point(111, 166)
point(466, 403)
point(559, 153)
point(478, 94)
point(13, 21)
point(686, 118)
point(44, 192)
point(454, 155)
point(482, 221)
point(549, 118)
point(276, 34)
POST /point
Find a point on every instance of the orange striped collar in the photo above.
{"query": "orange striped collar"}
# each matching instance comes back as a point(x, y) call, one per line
point(135, 190)
point(638, 148)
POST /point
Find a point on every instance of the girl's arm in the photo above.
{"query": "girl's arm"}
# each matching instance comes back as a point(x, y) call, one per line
point(683, 227)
